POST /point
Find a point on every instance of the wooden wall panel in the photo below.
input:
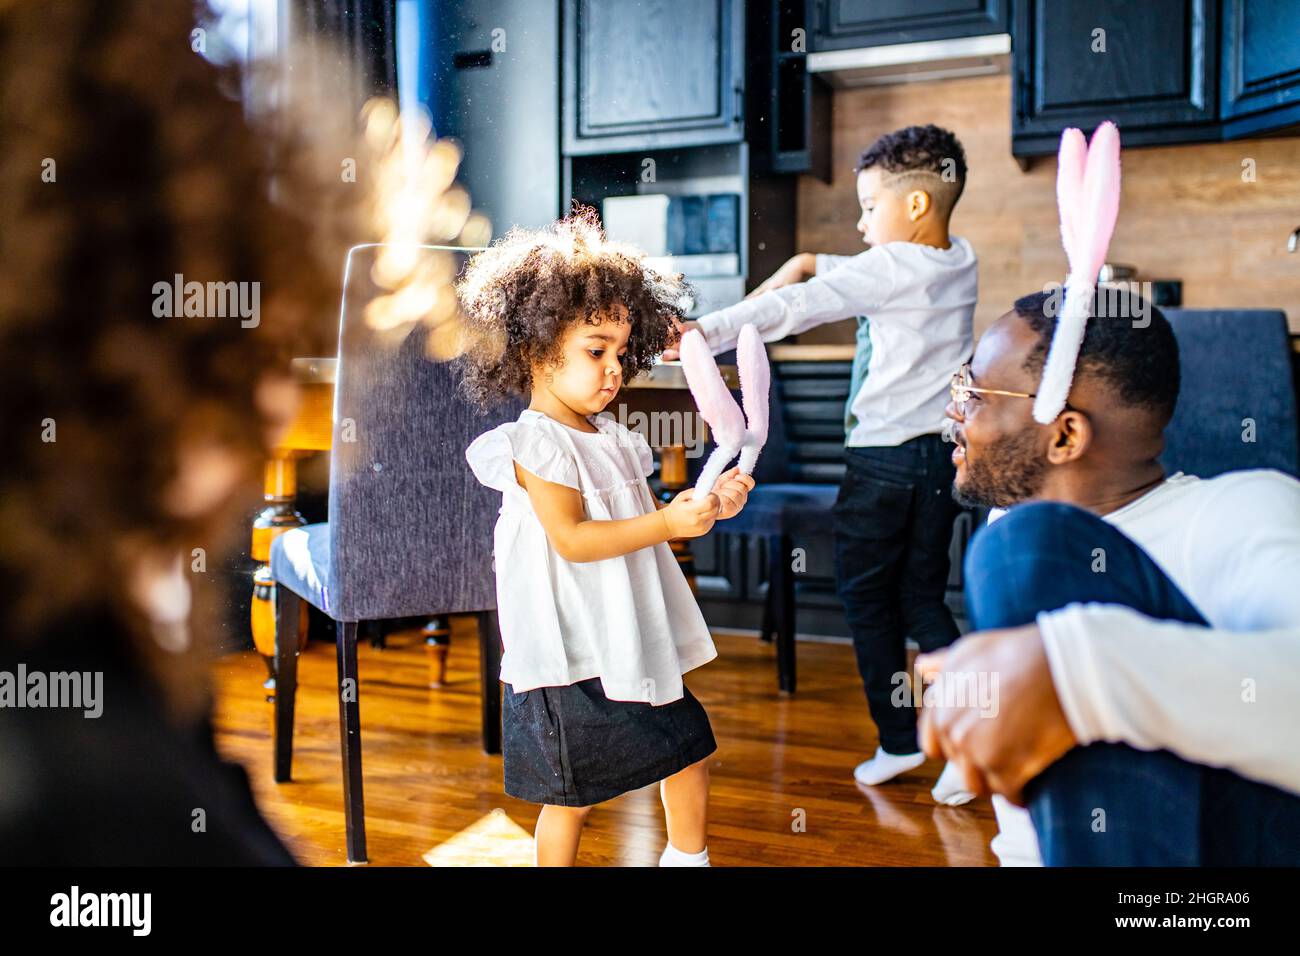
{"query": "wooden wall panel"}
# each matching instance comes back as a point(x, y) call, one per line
point(1185, 211)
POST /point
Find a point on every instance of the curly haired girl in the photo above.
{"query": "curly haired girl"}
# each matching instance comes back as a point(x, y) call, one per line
point(597, 620)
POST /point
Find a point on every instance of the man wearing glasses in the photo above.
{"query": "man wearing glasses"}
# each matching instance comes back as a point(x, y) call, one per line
point(1144, 628)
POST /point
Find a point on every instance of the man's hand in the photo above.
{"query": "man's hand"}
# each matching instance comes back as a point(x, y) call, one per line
point(796, 269)
point(671, 354)
point(732, 489)
point(1002, 743)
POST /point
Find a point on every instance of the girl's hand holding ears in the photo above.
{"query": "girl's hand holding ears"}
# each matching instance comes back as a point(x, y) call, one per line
point(688, 518)
point(733, 490)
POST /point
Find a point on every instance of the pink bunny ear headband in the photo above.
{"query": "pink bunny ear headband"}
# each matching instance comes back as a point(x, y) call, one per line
point(1087, 193)
point(719, 408)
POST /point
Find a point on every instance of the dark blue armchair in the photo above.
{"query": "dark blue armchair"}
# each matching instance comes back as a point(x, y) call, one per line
point(1237, 405)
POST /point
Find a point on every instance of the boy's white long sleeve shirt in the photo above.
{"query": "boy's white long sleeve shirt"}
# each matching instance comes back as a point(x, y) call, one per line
point(1226, 695)
point(921, 302)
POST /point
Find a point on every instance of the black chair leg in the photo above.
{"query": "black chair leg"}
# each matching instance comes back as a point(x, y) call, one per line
point(769, 599)
point(354, 805)
point(781, 582)
point(489, 638)
point(288, 612)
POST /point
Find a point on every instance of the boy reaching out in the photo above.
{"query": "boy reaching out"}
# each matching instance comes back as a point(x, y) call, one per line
point(913, 292)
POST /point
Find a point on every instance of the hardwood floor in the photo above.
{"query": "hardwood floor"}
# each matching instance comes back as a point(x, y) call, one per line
point(429, 786)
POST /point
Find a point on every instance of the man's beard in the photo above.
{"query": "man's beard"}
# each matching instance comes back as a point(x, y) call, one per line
point(1008, 471)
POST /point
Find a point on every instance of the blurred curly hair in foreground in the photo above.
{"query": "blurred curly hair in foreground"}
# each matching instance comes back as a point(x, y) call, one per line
point(159, 425)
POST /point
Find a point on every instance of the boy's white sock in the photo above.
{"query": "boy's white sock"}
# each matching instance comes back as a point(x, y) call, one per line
point(951, 787)
point(885, 766)
point(675, 857)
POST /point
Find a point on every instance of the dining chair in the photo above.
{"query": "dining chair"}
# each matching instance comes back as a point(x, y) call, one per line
point(797, 479)
point(409, 529)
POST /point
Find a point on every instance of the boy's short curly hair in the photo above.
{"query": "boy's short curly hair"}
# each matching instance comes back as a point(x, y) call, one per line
point(920, 149)
point(520, 296)
point(915, 149)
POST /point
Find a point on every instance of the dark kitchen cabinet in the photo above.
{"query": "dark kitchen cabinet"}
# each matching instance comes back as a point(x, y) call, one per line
point(652, 74)
point(1152, 67)
point(489, 72)
point(1259, 89)
point(847, 24)
point(789, 107)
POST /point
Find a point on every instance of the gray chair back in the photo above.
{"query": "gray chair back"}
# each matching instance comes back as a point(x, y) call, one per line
point(410, 525)
point(1237, 384)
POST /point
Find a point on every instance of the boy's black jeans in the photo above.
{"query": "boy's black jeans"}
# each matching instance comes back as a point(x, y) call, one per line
point(893, 526)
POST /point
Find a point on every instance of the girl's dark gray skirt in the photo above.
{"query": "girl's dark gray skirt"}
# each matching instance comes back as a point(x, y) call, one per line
point(573, 746)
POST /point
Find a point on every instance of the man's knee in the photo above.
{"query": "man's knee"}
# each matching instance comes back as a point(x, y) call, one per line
point(1114, 805)
point(1037, 557)
point(1038, 527)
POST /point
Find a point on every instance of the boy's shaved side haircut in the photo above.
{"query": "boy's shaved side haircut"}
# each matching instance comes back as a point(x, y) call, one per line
point(920, 157)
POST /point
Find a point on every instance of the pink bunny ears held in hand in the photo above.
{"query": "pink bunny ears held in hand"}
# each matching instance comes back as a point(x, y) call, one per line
point(719, 409)
point(1087, 193)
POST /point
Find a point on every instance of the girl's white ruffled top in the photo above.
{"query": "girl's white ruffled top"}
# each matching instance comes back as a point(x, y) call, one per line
point(632, 621)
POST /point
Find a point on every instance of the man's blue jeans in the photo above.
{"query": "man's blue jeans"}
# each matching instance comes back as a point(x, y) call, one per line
point(1160, 810)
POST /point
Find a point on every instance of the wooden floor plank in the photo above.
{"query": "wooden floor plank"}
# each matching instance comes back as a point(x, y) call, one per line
point(429, 786)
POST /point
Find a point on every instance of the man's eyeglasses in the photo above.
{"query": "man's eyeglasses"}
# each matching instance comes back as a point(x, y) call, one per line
point(961, 390)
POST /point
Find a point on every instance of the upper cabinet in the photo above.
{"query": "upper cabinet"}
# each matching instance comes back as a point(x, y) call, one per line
point(789, 107)
point(1167, 71)
point(847, 24)
point(1260, 84)
point(651, 74)
point(1149, 66)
